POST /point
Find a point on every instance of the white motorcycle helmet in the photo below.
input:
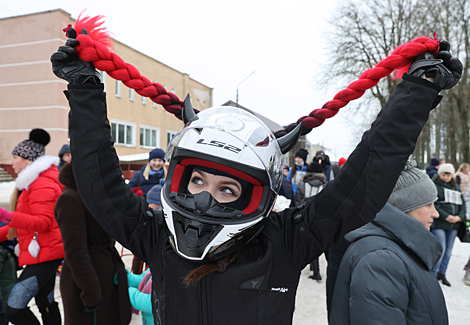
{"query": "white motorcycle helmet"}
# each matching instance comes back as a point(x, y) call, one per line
point(230, 142)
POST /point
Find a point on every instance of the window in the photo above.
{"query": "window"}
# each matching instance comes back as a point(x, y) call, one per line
point(144, 100)
point(131, 94)
point(169, 136)
point(197, 104)
point(123, 132)
point(149, 136)
point(154, 104)
point(118, 88)
point(103, 79)
point(173, 91)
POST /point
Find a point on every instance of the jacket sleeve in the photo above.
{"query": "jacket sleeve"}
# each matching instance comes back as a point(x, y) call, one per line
point(42, 200)
point(134, 182)
point(299, 195)
point(364, 184)
point(378, 292)
point(139, 300)
point(70, 214)
point(97, 172)
point(134, 280)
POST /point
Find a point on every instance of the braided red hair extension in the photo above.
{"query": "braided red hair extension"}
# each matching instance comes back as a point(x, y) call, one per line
point(94, 48)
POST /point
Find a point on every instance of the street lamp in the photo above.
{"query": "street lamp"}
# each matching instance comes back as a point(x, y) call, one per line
point(241, 83)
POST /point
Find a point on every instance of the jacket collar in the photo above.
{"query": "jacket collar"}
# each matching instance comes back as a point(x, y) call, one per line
point(396, 225)
point(31, 172)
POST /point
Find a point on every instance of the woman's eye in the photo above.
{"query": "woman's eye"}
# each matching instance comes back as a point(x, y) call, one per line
point(197, 181)
point(227, 190)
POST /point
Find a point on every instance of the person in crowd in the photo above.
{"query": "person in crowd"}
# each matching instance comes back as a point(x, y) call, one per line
point(431, 170)
point(151, 174)
point(65, 156)
point(297, 172)
point(324, 160)
point(218, 251)
point(311, 184)
point(140, 293)
point(286, 189)
point(451, 208)
point(7, 274)
point(140, 285)
point(88, 293)
point(336, 168)
point(462, 176)
point(386, 274)
point(40, 244)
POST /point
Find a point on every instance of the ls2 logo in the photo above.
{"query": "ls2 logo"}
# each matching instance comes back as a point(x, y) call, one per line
point(220, 144)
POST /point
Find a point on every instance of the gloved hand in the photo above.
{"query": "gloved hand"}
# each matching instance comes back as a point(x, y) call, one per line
point(445, 70)
point(66, 64)
point(5, 216)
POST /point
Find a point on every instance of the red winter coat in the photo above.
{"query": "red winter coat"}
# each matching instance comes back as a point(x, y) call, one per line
point(40, 189)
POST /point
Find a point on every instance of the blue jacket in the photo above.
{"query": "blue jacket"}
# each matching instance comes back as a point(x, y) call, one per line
point(139, 300)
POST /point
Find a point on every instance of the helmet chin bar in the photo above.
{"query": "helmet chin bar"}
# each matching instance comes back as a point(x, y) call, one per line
point(193, 237)
point(205, 207)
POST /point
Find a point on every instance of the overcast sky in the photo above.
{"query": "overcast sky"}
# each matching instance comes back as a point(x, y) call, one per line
point(220, 43)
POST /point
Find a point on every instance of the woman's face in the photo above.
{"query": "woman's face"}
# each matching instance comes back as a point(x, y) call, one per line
point(425, 215)
point(299, 161)
point(156, 164)
point(223, 189)
point(446, 177)
point(18, 163)
point(465, 170)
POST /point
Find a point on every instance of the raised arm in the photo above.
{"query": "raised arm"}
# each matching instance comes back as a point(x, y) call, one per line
point(365, 182)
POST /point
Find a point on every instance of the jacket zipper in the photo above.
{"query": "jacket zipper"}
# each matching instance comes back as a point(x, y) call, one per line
point(204, 302)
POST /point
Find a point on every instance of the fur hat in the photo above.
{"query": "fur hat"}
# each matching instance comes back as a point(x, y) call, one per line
point(302, 153)
point(314, 167)
point(414, 189)
point(34, 147)
point(157, 153)
point(446, 168)
point(154, 195)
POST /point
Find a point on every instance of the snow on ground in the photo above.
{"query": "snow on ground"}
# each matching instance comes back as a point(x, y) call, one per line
point(311, 300)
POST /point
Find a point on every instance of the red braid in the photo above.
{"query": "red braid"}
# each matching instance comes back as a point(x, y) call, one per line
point(94, 48)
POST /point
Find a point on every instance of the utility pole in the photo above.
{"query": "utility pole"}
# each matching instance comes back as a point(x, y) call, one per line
point(241, 83)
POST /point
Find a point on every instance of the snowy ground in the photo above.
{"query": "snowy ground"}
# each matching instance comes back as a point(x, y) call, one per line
point(311, 302)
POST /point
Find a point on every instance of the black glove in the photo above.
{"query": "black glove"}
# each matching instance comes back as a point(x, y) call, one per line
point(446, 70)
point(66, 64)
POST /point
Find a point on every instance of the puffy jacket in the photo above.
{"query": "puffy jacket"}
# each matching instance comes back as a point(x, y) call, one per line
point(449, 201)
point(259, 286)
point(34, 215)
point(386, 274)
point(140, 300)
point(316, 182)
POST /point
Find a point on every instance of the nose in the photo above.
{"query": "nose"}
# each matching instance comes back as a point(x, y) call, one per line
point(434, 212)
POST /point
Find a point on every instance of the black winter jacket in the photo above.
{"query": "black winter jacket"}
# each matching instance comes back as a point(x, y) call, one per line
point(259, 287)
point(386, 275)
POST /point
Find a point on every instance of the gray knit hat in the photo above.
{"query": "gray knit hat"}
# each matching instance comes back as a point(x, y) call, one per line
point(413, 189)
point(34, 147)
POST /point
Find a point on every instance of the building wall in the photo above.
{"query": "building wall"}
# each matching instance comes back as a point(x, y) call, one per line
point(32, 96)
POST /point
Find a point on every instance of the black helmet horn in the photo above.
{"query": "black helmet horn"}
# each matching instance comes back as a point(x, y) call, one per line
point(188, 114)
point(288, 141)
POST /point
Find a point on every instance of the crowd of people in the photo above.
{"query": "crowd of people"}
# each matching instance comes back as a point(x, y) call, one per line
point(200, 218)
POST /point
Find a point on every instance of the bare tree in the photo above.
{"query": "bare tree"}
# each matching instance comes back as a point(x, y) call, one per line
point(366, 32)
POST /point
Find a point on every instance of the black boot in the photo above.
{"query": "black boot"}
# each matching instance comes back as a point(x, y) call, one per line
point(51, 314)
point(21, 316)
point(442, 277)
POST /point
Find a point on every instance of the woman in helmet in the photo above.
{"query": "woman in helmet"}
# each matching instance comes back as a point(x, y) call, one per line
point(219, 255)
